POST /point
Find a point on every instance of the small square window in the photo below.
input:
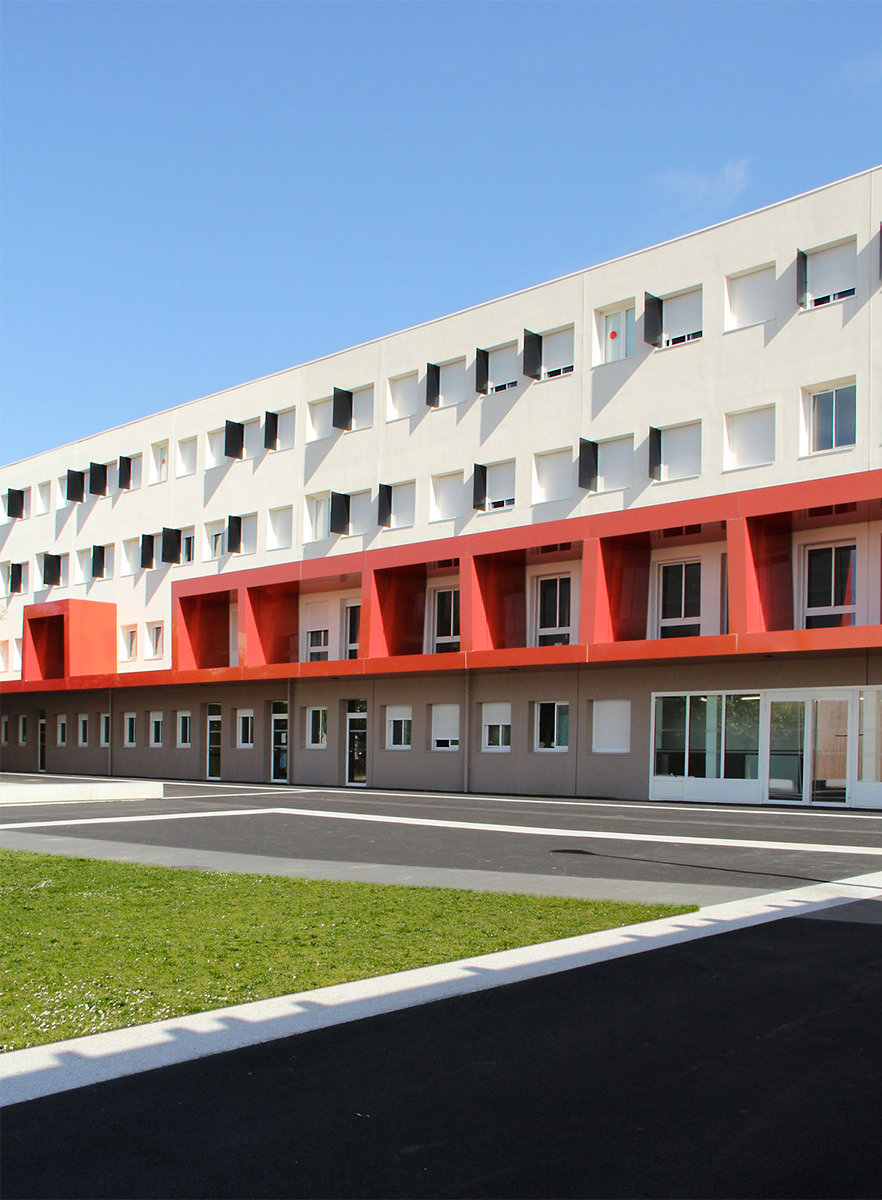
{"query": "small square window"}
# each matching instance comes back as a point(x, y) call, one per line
point(681, 318)
point(280, 528)
point(750, 438)
point(553, 476)
point(399, 726)
point(447, 497)
point(831, 418)
point(831, 274)
point(750, 298)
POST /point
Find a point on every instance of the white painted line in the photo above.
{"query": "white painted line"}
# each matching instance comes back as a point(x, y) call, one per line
point(78, 1062)
point(474, 826)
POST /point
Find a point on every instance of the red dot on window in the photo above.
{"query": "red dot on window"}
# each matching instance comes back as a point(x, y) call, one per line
point(613, 334)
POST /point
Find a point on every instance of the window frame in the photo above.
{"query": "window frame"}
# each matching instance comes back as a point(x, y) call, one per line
point(157, 722)
point(130, 729)
point(817, 613)
point(244, 728)
point(691, 621)
point(322, 743)
point(453, 744)
point(82, 729)
point(61, 729)
point(182, 742)
point(503, 743)
point(810, 432)
point(557, 746)
point(399, 728)
point(447, 643)
point(559, 634)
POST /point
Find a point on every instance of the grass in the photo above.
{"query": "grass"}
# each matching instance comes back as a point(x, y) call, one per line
point(89, 946)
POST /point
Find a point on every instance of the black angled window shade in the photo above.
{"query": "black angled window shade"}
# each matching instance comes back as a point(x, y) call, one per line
point(479, 487)
point(146, 550)
point(532, 354)
point(14, 503)
point(801, 278)
point(124, 472)
point(270, 431)
point(97, 562)
point(655, 452)
point(15, 574)
point(652, 319)
point(171, 546)
point(234, 439)
point(76, 485)
point(433, 385)
point(234, 535)
point(97, 479)
point(51, 569)
point(587, 465)
point(482, 371)
point(341, 412)
point(339, 512)
point(384, 505)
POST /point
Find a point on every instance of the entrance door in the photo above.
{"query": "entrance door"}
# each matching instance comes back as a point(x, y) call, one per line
point(213, 741)
point(279, 773)
point(808, 742)
point(41, 744)
point(356, 743)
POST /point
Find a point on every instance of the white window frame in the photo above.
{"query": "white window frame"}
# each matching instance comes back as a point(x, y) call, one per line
point(318, 645)
point(22, 730)
point(82, 729)
point(130, 642)
point(404, 388)
point(156, 730)
point(318, 517)
point(399, 726)
point(680, 339)
point(159, 462)
point(495, 734)
point(244, 728)
point(61, 729)
point(188, 545)
point(498, 502)
point(560, 708)
point(130, 729)
point(104, 730)
point(432, 638)
point(350, 648)
point(493, 385)
point(825, 300)
point(621, 318)
point(184, 733)
point(536, 576)
point(156, 639)
point(863, 575)
point(810, 395)
point(322, 742)
point(682, 621)
point(566, 368)
point(447, 744)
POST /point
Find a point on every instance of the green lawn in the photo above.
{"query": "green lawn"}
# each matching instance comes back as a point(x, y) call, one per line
point(90, 946)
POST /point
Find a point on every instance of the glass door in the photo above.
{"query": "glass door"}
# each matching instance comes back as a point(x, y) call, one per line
point(829, 774)
point(808, 749)
point(786, 778)
point(279, 772)
point(41, 744)
point(214, 734)
point(356, 743)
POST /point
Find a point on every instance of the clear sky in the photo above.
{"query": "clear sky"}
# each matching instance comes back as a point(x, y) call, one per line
point(195, 194)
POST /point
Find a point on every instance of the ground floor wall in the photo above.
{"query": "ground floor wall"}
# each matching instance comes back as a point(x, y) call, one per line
point(570, 731)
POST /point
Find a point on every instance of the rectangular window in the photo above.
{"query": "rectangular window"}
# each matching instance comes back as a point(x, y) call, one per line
point(679, 599)
point(317, 645)
point(500, 485)
point(445, 726)
point(183, 730)
point(616, 332)
point(403, 505)
point(104, 727)
point(615, 464)
point(552, 476)
point(245, 728)
point(503, 368)
point(681, 318)
point(611, 727)
point(280, 528)
point(552, 726)
point(445, 621)
point(185, 461)
point(130, 729)
point(404, 397)
point(680, 452)
point(831, 274)
point(707, 736)
point(447, 497)
point(553, 611)
point(43, 498)
point(4, 656)
point(750, 298)
point(130, 642)
point(750, 439)
point(496, 727)
point(870, 734)
point(398, 726)
point(61, 730)
point(215, 542)
point(351, 625)
point(317, 728)
point(83, 729)
point(214, 448)
point(22, 731)
point(832, 418)
point(156, 638)
point(4, 730)
point(156, 729)
point(131, 555)
point(452, 383)
point(319, 420)
point(830, 592)
point(361, 513)
point(318, 517)
point(188, 545)
point(159, 462)
point(252, 438)
point(363, 408)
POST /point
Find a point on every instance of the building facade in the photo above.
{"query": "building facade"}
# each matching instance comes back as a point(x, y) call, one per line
point(616, 535)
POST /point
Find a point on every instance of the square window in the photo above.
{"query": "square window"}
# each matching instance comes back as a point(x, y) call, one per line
point(558, 353)
point(679, 599)
point(445, 726)
point(615, 332)
point(317, 728)
point(245, 728)
point(552, 726)
point(750, 439)
point(611, 727)
point(404, 397)
point(496, 727)
point(750, 298)
point(680, 452)
point(183, 730)
point(831, 418)
point(552, 476)
point(399, 725)
point(156, 729)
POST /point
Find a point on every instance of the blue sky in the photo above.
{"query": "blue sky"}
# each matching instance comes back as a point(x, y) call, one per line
point(197, 194)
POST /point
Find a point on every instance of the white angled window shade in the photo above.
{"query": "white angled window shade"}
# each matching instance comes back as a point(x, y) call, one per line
point(682, 316)
point(252, 442)
point(131, 556)
point(497, 713)
point(403, 504)
point(285, 432)
point(399, 712)
point(681, 451)
point(445, 726)
point(447, 496)
point(363, 408)
point(249, 534)
point(503, 367)
point(404, 397)
point(317, 616)
point(750, 438)
point(280, 528)
point(361, 517)
point(557, 351)
point(832, 272)
point(750, 298)
point(554, 477)
point(615, 464)
point(501, 484)
point(185, 463)
point(611, 727)
point(319, 420)
point(318, 510)
point(452, 383)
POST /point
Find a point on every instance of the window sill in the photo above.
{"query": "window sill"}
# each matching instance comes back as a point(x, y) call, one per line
point(678, 479)
point(748, 466)
point(752, 325)
point(614, 362)
point(551, 750)
point(825, 453)
point(496, 749)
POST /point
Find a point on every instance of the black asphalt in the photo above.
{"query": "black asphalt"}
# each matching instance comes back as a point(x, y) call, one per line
point(742, 1065)
point(325, 839)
